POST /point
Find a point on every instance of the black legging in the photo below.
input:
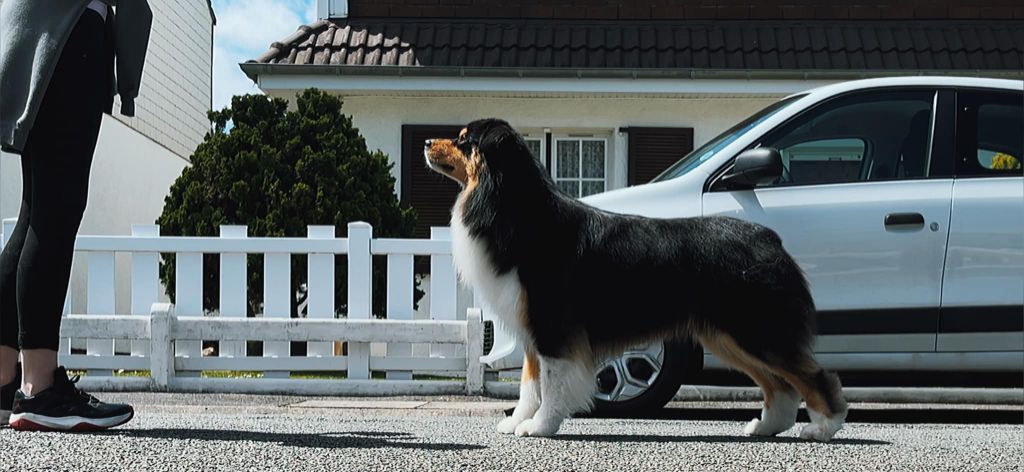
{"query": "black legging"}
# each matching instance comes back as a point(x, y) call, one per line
point(35, 266)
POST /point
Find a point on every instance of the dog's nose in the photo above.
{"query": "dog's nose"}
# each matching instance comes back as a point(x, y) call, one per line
point(428, 142)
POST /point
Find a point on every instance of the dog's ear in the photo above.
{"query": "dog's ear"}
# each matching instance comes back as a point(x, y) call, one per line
point(498, 141)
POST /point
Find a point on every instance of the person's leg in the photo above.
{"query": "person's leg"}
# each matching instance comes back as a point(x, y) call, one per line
point(10, 379)
point(61, 146)
point(8, 284)
point(61, 178)
point(60, 149)
point(9, 362)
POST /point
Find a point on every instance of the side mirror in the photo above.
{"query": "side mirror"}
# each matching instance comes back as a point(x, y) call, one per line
point(753, 167)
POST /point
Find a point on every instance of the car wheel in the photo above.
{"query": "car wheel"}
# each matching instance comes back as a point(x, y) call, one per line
point(642, 379)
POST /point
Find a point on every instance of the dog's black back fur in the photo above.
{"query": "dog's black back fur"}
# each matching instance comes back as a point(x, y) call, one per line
point(702, 273)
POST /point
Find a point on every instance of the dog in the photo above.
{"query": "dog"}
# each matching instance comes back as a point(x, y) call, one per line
point(577, 285)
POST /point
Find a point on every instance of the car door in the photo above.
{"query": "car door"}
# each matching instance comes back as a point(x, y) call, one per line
point(863, 205)
point(983, 286)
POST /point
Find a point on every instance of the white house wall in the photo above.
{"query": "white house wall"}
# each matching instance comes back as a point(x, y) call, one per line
point(177, 83)
point(380, 118)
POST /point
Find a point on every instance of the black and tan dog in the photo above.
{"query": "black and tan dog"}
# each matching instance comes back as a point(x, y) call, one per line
point(577, 285)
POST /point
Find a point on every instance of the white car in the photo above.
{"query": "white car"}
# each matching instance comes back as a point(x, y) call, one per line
point(901, 198)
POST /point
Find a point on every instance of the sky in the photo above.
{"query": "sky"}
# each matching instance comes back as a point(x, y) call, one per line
point(245, 29)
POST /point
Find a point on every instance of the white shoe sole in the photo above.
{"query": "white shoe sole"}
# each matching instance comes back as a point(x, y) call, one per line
point(34, 422)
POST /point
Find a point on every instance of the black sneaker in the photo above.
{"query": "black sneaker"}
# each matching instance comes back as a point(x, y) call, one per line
point(7, 395)
point(63, 407)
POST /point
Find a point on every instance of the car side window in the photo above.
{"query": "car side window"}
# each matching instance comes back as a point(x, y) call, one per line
point(990, 136)
point(860, 137)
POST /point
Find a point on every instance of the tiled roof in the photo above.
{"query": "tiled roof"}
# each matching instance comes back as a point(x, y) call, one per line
point(646, 45)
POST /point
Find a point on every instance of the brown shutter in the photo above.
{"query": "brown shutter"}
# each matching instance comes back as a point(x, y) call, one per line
point(652, 150)
point(430, 193)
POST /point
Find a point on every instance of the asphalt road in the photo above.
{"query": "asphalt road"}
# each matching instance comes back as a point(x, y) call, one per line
point(235, 432)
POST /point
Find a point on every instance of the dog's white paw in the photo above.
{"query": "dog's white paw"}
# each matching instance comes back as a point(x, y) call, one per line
point(755, 428)
point(816, 432)
point(508, 425)
point(822, 428)
point(537, 428)
point(770, 423)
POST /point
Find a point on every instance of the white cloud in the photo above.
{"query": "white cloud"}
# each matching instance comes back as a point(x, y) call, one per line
point(310, 13)
point(254, 24)
point(245, 29)
point(228, 78)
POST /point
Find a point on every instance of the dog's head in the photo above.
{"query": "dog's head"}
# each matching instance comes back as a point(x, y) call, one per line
point(489, 145)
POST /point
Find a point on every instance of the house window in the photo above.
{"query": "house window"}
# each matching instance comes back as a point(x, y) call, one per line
point(536, 147)
point(579, 165)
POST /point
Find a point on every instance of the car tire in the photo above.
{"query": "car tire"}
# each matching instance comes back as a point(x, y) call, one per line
point(677, 361)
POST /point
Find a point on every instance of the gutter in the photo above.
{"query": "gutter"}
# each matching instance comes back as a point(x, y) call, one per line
point(254, 70)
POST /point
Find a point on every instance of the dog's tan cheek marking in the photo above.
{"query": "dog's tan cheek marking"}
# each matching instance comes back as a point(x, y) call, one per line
point(457, 160)
point(473, 169)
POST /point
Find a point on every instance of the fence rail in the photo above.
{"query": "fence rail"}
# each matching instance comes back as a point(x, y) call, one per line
point(167, 341)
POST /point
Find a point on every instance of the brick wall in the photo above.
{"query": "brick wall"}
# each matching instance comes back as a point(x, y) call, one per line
point(692, 9)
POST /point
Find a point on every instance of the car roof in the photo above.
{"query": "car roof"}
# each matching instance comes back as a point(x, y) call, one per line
point(927, 81)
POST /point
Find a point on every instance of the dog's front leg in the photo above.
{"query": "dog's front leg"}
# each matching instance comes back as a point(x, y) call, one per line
point(567, 386)
point(529, 394)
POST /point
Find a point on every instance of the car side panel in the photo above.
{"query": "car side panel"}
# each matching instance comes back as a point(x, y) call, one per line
point(877, 288)
point(983, 284)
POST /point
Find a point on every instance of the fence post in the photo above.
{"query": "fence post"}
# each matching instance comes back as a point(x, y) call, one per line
point(145, 282)
point(277, 303)
point(320, 289)
point(442, 289)
point(161, 357)
point(188, 300)
point(400, 305)
point(233, 288)
point(100, 287)
point(360, 293)
point(474, 350)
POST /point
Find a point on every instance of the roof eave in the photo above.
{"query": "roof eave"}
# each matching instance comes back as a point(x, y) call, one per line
point(255, 69)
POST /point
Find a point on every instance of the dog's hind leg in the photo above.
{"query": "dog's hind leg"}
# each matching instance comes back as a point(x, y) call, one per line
point(529, 395)
point(567, 386)
point(781, 402)
point(821, 391)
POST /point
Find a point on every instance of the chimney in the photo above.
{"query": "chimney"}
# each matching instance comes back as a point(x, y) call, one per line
point(326, 9)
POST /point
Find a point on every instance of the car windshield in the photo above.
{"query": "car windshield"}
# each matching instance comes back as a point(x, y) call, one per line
point(703, 153)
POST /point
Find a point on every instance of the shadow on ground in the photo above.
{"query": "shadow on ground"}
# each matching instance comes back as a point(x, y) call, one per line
point(642, 438)
point(885, 416)
point(339, 440)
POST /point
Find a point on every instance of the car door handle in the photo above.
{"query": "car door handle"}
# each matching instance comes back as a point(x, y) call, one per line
point(904, 219)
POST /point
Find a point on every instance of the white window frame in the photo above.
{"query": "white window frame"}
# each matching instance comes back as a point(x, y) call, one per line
point(580, 179)
point(543, 149)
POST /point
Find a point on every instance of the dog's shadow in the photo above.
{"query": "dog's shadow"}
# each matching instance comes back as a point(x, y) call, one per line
point(647, 438)
point(329, 440)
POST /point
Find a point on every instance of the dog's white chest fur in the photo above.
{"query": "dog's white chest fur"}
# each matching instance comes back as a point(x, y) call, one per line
point(499, 293)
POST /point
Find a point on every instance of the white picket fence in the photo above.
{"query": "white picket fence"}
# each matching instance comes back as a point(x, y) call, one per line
point(166, 340)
